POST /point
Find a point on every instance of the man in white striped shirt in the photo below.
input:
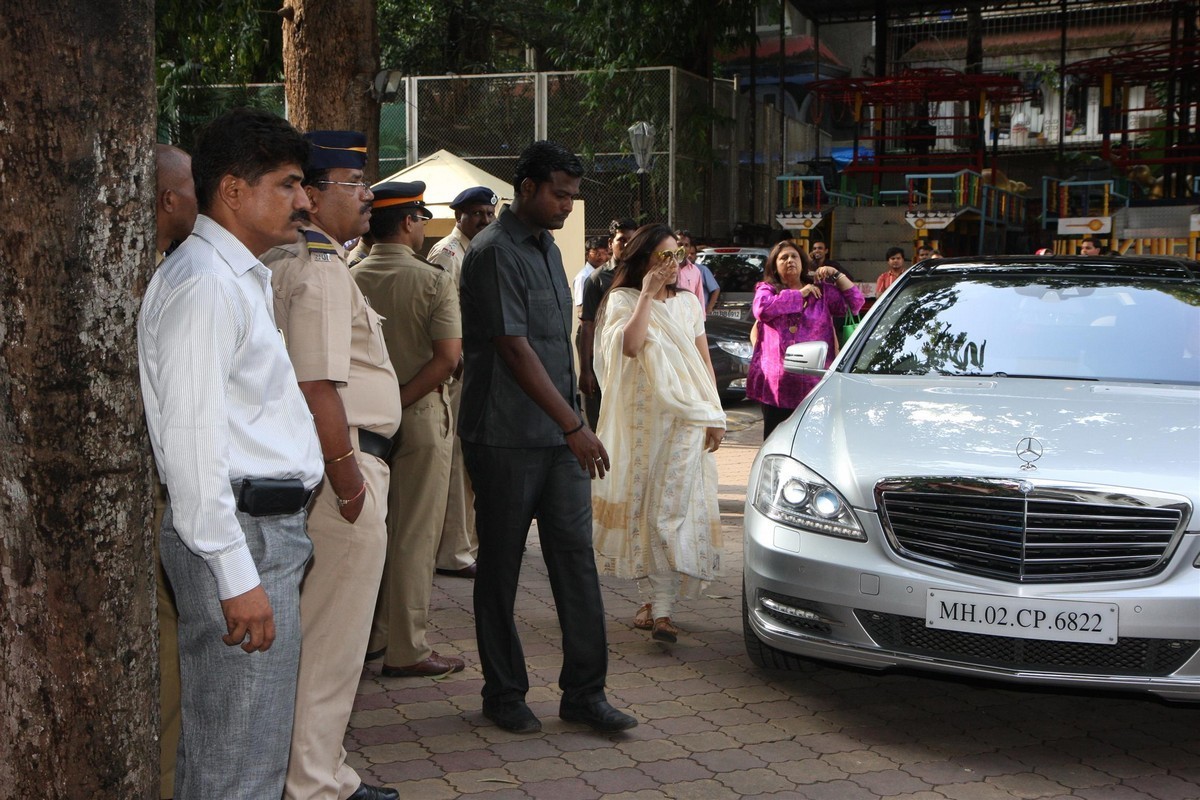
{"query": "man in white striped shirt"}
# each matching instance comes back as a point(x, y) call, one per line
point(236, 447)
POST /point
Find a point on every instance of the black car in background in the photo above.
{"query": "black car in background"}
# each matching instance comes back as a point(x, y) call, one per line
point(737, 270)
point(729, 348)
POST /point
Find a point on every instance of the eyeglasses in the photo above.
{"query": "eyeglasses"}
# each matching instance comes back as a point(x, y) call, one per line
point(358, 185)
point(680, 254)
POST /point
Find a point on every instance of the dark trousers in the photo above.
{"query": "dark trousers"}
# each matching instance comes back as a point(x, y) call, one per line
point(512, 486)
point(772, 416)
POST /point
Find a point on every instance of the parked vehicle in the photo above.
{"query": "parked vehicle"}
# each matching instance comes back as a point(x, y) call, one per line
point(998, 477)
point(730, 350)
point(737, 270)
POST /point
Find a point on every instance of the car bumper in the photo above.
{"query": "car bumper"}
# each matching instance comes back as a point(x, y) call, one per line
point(857, 603)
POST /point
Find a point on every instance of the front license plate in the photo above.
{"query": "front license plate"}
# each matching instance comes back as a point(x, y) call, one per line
point(731, 313)
point(1023, 617)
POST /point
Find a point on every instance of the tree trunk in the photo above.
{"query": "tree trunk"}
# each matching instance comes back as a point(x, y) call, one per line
point(330, 58)
point(78, 663)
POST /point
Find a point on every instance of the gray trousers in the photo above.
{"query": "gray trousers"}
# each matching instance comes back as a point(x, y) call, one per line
point(237, 707)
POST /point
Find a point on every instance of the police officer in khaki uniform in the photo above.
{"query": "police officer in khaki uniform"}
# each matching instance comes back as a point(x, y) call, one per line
point(474, 209)
point(423, 329)
point(337, 350)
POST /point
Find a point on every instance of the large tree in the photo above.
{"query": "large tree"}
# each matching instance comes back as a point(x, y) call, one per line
point(330, 58)
point(77, 636)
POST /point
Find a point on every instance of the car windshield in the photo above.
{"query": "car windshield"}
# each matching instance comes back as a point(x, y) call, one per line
point(735, 272)
point(1037, 327)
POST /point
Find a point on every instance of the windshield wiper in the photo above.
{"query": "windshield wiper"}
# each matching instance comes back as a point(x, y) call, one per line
point(1030, 375)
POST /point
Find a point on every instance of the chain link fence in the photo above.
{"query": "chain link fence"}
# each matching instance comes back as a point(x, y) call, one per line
point(705, 173)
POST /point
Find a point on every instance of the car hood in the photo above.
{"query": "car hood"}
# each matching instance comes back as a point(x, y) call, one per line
point(855, 430)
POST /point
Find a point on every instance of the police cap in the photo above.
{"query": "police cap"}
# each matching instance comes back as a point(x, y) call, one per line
point(401, 196)
point(476, 194)
point(333, 149)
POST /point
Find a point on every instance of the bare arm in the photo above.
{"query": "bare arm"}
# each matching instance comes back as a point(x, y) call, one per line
point(712, 301)
point(436, 370)
point(531, 376)
point(587, 344)
point(334, 434)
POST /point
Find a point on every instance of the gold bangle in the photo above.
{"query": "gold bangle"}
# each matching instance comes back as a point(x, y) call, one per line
point(343, 503)
point(339, 458)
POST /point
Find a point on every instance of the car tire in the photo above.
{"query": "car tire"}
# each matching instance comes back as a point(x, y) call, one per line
point(763, 655)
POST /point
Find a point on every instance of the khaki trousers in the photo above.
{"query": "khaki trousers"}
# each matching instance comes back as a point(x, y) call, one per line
point(336, 601)
point(459, 544)
point(416, 509)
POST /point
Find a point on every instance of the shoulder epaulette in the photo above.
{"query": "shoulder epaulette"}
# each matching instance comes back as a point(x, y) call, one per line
point(319, 242)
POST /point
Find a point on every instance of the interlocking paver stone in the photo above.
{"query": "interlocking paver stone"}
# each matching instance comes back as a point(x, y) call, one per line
point(1027, 784)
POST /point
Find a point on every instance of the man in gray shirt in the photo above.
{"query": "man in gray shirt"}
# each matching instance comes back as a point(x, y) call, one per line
point(526, 450)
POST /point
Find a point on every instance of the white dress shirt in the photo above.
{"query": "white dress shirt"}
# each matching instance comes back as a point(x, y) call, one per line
point(580, 279)
point(222, 402)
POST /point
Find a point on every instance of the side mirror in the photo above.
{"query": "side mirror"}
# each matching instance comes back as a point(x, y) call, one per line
point(806, 358)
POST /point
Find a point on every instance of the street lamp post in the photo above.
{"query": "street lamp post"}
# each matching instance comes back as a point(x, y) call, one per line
point(641, 139)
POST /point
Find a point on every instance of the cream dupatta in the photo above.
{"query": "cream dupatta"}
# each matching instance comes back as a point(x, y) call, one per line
point(657, 510)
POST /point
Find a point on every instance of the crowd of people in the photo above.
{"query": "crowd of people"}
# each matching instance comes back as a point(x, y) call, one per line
point(332, 429)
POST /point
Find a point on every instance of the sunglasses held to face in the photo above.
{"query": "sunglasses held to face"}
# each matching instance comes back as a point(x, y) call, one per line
point(680, 254)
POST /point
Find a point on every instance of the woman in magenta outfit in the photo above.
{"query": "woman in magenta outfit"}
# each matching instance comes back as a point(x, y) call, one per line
point(791, 307)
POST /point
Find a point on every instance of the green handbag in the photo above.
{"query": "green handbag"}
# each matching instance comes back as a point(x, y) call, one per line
point(849, 324)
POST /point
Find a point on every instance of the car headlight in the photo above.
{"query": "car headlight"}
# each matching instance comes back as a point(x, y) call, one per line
point(793, 494)
point(742, 350)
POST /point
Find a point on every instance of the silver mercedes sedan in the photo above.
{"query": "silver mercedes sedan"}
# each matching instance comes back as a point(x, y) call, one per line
point(998, 477)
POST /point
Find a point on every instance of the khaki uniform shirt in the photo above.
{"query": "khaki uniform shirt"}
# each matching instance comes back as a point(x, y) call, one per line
point(331, 332)
point(419, 301)
point(450, 252)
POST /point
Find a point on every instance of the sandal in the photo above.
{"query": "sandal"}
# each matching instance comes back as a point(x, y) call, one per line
point(643, 620)
point(664, 630)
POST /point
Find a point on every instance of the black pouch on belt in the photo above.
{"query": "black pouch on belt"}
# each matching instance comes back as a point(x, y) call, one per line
point(266, 497)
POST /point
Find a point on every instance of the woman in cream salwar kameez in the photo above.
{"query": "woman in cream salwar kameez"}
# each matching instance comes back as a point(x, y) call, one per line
point(655, 515)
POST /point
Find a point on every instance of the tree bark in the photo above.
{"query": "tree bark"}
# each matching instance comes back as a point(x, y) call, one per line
point(78, 663)
point(330, 58)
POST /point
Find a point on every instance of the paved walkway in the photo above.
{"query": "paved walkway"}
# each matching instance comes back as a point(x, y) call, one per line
point(714, 726)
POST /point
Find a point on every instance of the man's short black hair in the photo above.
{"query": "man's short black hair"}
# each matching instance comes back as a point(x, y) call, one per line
point(597, 242)
point(894, 251)
point(541, 158)
point(386, 221)
point(621, 224)
point(247, 143)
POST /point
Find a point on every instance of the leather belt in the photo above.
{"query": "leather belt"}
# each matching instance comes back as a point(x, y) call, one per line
point(374, 444)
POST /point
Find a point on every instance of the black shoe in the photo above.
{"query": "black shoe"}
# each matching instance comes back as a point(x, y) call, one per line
point(597, 714)
point(365, 792)
point(514, 716)
point(375, 654)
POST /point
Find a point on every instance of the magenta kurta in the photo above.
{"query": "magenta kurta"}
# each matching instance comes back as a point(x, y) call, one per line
point(785, 318)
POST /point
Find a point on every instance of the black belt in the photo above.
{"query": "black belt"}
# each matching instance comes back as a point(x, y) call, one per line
point(269, 497)
point(374, 444)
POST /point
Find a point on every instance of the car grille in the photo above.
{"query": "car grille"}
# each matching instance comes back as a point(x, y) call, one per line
point(1025, 532)
point(1129, 656)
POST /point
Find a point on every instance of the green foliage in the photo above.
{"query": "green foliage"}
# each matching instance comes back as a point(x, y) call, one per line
point(621, 34)
point(462, 37)
point(207, 44)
